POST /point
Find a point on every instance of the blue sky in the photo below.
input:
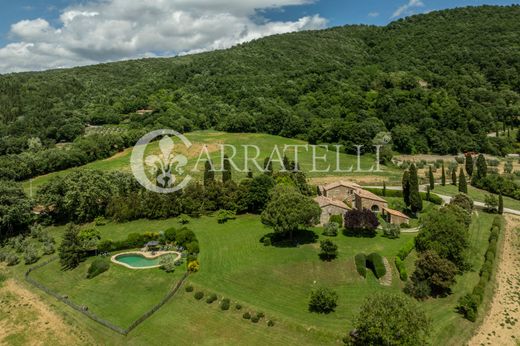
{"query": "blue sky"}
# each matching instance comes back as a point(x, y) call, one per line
point(41, 34)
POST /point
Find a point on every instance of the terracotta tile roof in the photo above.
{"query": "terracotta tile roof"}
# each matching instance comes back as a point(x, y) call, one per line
point(341, 183)
point(369, 195)
point(325, 201)
point(396, 213)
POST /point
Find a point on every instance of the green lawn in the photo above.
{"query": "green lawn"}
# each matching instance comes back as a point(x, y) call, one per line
point(266, 143)
point(119, 295)
point(476, 194)
point(274, 280)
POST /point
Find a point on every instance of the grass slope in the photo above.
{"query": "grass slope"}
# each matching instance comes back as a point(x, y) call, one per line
point(119, 295)
point(275, 280)
point(266, 143)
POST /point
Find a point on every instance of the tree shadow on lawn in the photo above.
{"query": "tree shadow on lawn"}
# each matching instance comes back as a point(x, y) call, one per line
point(300, 237)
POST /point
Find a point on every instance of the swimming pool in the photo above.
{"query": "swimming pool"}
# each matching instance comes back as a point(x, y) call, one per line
point(136, 260)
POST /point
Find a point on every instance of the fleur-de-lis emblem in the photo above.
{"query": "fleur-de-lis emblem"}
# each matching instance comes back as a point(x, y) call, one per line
point(162, 165)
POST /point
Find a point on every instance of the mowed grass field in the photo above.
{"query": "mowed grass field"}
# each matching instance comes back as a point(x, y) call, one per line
point(274, 280)
point(266, 144)
point(118, 295)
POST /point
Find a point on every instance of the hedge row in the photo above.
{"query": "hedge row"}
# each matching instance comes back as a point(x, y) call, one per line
point(375, 262)
point(399, 264)
point(361, 264)
point(225, 305)
point(405, 250)
point(469, 304)
point(435, 199)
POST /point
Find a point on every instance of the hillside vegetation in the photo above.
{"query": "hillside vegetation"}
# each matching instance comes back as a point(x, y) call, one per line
point(439, 82)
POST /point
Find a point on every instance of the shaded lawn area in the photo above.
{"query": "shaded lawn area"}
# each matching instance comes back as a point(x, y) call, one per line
point(119, 295)
point(476, 194)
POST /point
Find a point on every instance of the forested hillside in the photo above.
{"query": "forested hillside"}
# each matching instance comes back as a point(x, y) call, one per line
point(439, 82)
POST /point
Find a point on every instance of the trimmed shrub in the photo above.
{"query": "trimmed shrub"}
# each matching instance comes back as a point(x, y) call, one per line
point(391, 231)
point(105, 245)
point(193, 266)
point(323, 300)
point(329, 250)
point(246, 315)
point(270, 323)
point(405, 250)
point(224, 305)
point(238, 307)
point(189, 288)
point(399, 264)
point(224, 216)
point(375, 262)
point(199, 295)
point(336, 219)
point(260, 315)
point(361, 264)
point(331, 229)
point(211, 298)
point(99, 265)
point(184, 219)
point(255, 319)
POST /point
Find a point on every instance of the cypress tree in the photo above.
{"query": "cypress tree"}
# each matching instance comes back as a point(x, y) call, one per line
point(406, 188)
point(454, 176)
point(500, 204)
point(481, 167)
point(463, 185)
point(428, 193)
point(415, 197)
point(226, 170)
point(469, 165)
point(268, 166)
point(443, 176)
point(70, 251)
point(209, 173)
point(432, 179)
point(286, 163)
point(384, 188)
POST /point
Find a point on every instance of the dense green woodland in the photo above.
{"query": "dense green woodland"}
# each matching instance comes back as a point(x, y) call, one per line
point(439, 82)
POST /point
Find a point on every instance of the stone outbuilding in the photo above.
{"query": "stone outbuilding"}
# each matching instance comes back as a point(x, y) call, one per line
point(368, 200)
point(340, 191)
point(330, 207)
point(395, 217)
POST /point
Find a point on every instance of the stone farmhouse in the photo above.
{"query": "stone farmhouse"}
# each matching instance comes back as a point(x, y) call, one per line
point(338, 197)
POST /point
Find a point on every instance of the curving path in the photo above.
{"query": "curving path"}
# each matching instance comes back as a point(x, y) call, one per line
point(446, 199)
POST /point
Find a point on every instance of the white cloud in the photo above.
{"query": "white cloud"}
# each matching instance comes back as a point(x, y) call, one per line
point(373, 14)
point(109, 30)
point(408, 8)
